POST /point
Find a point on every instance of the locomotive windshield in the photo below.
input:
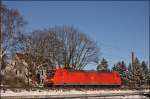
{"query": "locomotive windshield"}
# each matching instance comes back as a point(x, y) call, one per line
point(50, 74)
point(51, 70)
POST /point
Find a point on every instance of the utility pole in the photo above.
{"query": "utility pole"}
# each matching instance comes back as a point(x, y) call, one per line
point(133, 59)
point(1, 50)
point(133, 66)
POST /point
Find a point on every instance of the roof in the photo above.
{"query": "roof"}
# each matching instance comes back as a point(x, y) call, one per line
point(21, 56)
point(29, 57)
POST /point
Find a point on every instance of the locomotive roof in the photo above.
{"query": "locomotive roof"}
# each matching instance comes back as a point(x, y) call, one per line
point(72, 70)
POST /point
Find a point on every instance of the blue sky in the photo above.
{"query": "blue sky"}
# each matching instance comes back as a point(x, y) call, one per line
point(118, 27)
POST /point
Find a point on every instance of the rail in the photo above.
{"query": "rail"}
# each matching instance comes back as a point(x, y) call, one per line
point(79, 93)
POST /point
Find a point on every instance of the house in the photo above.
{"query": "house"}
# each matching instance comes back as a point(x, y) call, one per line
point(20, 66)
point(28, 67)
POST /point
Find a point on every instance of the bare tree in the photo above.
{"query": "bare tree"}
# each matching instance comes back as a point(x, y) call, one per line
point(11, 27)
point(78, 49)
point(64, 45)
point(43, 44)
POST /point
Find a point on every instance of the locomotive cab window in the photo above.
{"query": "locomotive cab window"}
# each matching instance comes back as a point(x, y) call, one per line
point(50, 74)
point(51, 70)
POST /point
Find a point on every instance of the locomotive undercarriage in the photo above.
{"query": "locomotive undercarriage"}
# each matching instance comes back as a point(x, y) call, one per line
point(83, 87)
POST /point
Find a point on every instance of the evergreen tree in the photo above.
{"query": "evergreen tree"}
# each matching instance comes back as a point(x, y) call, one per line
point(129, 67)
point(114, 67)
point(103, 66)
point(130, 76)
point(145, 73)
point(138, 74)
point(149, 77)
point(129, 71)
point(145, 67)
point(121, 68)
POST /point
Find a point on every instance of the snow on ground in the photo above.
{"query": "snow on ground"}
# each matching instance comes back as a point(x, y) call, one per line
point(118, 97)
point(38, 92)
point(135, 97)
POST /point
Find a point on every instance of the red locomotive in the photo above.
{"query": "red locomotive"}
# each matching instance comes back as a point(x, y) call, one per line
point(74, 77)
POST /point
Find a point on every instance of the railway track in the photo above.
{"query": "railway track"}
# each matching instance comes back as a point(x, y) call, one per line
point(77, 94)
point(80, 96)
